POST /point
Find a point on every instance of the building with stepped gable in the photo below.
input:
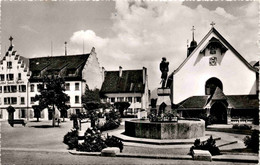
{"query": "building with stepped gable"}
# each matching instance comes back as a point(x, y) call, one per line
point(14, 75)
point(20, 77)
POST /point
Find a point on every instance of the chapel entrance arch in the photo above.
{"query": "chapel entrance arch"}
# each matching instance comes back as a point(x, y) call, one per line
point(218, 112)
point(212, 84)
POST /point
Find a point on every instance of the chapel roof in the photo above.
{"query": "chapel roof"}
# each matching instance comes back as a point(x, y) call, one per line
point(234, 101)
point(213, 30)
point(131, 81)
point(218, 95)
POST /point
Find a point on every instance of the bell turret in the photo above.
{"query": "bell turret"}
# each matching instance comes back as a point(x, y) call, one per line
point(193, 43)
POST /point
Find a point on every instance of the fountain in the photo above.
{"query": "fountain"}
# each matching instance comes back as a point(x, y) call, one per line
point(164, 123)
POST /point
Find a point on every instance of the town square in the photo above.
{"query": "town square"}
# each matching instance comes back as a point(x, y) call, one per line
point(129, 82)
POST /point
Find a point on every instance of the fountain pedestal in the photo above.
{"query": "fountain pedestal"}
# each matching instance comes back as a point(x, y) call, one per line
point(163, 103)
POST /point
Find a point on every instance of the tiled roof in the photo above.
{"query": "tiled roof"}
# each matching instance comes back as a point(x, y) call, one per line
point(234, 101)
point(218, 95)
point(244, 101)
point(131, 81)
point(194, 102)
point(66, 66)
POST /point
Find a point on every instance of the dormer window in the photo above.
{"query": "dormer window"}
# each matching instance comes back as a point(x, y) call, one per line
point(213, 45)
point(9, 65)
point(212, 49)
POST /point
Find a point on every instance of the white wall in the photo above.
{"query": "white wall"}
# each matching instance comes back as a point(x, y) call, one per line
point(125, 95)
point(236, 77)
point(16, 68)
point(92, 71)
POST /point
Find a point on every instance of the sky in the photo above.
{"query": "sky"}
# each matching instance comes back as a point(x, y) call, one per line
point(131, 34)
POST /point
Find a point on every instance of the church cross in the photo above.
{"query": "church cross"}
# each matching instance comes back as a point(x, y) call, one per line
point(212, 24)
point(11, 39)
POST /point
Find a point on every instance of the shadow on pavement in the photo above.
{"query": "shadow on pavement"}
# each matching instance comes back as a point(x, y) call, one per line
point(43, 126)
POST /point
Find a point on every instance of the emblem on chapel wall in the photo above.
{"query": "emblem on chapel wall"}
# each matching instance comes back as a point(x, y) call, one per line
point(213, 61)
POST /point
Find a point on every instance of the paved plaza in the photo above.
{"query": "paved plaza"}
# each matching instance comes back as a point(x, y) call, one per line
point(39, 142)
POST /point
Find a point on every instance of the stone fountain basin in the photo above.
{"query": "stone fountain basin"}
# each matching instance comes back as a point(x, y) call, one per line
point(183, 129)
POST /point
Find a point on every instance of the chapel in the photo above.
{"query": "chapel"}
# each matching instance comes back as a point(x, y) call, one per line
point(215, 80)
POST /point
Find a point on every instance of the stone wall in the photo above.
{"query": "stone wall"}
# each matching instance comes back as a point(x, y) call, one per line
point(183, 129)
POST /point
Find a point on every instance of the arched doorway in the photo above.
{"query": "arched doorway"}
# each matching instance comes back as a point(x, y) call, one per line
point(218, 112)
point(212, 84)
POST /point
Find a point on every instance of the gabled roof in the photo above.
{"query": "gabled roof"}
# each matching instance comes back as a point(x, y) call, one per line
point(213, 30)
point(193, 102)
point(66, 66)
point(131, 81)
point(218, 95)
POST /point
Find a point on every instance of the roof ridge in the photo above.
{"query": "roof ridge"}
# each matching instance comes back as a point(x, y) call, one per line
point(60, 56)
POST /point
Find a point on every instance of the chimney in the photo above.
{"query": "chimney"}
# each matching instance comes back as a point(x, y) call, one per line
point(120, 71)
point(144, 74)
point(103, 74)
point(65, 43)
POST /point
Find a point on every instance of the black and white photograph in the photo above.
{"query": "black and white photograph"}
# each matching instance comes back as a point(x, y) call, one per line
point(129, 82)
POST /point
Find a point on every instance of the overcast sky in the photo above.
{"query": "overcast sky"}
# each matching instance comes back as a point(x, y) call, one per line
point(127, 34)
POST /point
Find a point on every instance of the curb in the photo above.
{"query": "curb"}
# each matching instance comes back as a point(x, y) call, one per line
point(174, 157)
point(234, 160)
point(147, 141)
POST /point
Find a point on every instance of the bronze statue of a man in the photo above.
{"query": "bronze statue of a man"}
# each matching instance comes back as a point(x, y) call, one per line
point(164, 67)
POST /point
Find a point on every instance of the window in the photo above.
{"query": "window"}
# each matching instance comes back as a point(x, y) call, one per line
point(129, 99)
point(112, 99)
point(10, 77)
point(22, 100)
point(19, 76)
point(76, 99)
point(6, 89)
point(130, 110)
point(10, 89)
point(10, 100)
point(136, 110)
point(38, 87)
point(2, 77)
point(0, 89)
point(6, 100)
point(9, 65)
point(13, 88)
point(77, 111)
point(32, 87)
point(137, 99)
point(22, 88)
point(32, 100)
point(13, 100)
point(67, 86)
point(120, 99)
point(23, 113)
point(76, 86)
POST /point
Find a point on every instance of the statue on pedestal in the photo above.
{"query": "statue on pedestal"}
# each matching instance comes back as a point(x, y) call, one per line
point(164, 68)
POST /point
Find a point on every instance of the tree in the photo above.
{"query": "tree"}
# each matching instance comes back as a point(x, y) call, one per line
point(121, 106)
point(91, 102)
point(52, 95)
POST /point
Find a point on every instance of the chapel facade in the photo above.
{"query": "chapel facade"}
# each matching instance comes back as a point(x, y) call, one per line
point(215, 79)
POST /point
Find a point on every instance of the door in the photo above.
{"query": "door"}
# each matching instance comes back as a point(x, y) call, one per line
point(218, 113)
